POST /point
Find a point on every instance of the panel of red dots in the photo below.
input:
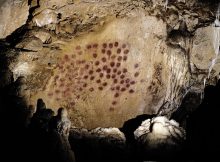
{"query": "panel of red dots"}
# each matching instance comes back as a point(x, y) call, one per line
point(93, 68)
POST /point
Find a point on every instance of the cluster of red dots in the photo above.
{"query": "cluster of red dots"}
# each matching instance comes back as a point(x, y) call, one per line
point(94, 67)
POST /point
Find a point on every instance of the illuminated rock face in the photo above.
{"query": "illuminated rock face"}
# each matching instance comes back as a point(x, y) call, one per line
point(110, 75)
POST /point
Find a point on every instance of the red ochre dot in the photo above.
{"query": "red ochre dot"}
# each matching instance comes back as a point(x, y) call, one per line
point(57, 91)
point(85, 77)
point(90, 72)
point(127, 80)
point(80, 89)
point(118, 50)
point(115, 80)
point(122, 81)
point(73, 56)
point(124, 45)
point(112, 64)
point(110, 45)
point(127, 85)
point(113, 76)
point(116, 44)
point(119, 72)
point(104, 45)
point(108, 76)
point(97, 63)
point(98, 70)
point(101, 75)
point(131, 91)
point(119, 58)
point(98, 81)
point(115, 70)
point(123, 89)
point(92, 78)
point(126, 51)
point(85, 85)
point(100, 88)
point(103, 51)
point(95, 45)
point(118, 64)
point(111, 108)
point(113, 57)
point(112, 88)
point(105, 67)
point(136, 74)
point(109, 53)
point(122, 76)
point(118, 87)
point(78, 47)
point(80, 53)
point(114, 102)
point(108, 70)
point(125, 58)
point(105, 84)
point(103, 59)
point(91, 89)
point(88, 46)
point(125, 70)
point(116, 95)
point(136, 66)
point(94, 55)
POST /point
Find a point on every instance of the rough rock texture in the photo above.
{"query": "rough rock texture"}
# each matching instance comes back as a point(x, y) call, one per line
point(13, 15)
point(109, 61)
point(160, 136)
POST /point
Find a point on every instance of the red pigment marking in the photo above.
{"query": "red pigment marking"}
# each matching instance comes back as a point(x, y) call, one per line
point(131, 91)
point(122, 81)
point(80, 89)
point(100, 88)
point(72, 63)
point(101, 75)
point(110, 45)
point(125, 70)
point(124, 45)
point(68, 67)
point(119, 72)
point(57, 91)
point(112, 64)
point(97, 63)
point(85, 77)
point(50, 94)
point(103, 51)
point(105, 84)
point(118, 50)
point(113, 57)
point(109, 53)
point(108, 70)
point(78, 47)
point(88, 46)
point(91, 89)
point(125, 58)
point(118, 87)
point(104, 45)
point(127, 85)
point(108, 76)
point(119, 58)
point(86, 66)
point(83, 61)
point(123, 89)
point(116, 44)
point(136, 74)
point(66, 58)
point(95, 45)
point(103, 59)
point(122, 76)
point(90, 72)
point(136, 65)
point(111, 109)
point(127, 80)
point(114, 102)
point(126, 51)
point(92, 78)
point(84, 85)
point(98, 70)
point(73, 56)
point(80, 53)
point(115, 80)
point(105, 67)
point(113, 76)
point(115, 70)
point(98, 81)
point(94, 55)
point(118, 64)
point(116, 95)
point(112, 88)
